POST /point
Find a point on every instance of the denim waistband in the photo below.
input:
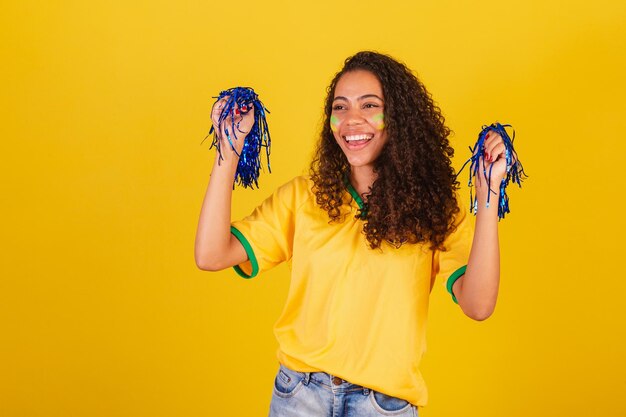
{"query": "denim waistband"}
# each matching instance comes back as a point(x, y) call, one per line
point(329, 381)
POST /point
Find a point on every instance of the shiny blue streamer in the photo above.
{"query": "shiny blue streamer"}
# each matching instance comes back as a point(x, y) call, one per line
point(249, 166)
point(514, 170)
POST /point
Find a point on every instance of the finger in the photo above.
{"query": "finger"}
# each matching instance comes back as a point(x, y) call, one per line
point(491, 142)
point(235, 125)
point(491, 138)
point(237, 114)
point(486, 142)
point(230, 121)
point(244, 108)
point(496, 151)
point(245, 122)
point(218, 106)
point(216, 111)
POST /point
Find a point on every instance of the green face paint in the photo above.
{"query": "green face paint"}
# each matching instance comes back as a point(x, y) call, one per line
point(379, 120)
point(334, 122)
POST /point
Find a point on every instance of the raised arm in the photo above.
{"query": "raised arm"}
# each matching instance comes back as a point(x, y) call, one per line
point(216, 248)
point(477, 291)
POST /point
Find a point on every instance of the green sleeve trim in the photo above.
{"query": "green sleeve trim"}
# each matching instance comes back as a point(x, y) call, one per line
point(249, 251)
point(453, 278)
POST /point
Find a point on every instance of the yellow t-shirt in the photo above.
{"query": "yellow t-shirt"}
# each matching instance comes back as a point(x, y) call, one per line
point(351, 311)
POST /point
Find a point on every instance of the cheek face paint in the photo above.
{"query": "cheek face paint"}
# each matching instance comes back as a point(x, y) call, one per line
point(379, 121)
point(334, 122)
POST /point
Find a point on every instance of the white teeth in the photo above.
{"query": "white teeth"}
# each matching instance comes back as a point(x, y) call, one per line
point(358, 137)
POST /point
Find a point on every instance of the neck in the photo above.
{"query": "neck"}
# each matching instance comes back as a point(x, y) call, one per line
point(362, 179)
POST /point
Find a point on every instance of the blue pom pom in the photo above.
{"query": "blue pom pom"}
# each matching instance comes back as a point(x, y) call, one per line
point(514, 170)
point(244, 99)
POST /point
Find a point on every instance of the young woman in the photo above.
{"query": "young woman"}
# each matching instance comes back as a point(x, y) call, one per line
point(368, 233)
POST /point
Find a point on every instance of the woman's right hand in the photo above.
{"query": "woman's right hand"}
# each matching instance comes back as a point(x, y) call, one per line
point(236, 129)
point(216, 248)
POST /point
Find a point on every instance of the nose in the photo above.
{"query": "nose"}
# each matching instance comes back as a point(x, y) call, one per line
point(354, 117)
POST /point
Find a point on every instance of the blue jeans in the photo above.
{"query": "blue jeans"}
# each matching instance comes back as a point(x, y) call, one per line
point(318, 394)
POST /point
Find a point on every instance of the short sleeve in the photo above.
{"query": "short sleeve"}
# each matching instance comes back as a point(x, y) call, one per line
point(267, 233)
point(450, 265)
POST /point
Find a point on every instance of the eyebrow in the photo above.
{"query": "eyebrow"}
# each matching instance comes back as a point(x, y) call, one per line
point(360, 98)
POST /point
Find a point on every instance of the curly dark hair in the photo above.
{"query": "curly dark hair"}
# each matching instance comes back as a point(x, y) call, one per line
point(413, 199)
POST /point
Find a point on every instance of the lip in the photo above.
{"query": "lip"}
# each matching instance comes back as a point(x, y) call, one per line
point(357, 144)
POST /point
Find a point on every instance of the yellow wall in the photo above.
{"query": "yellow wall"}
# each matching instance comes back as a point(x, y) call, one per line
point(104, 106)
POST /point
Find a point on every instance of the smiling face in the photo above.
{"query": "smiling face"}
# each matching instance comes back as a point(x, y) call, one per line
point(357, 117)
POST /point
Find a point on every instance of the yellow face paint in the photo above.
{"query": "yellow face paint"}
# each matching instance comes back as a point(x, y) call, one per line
point(379, 121)
point(334, 122)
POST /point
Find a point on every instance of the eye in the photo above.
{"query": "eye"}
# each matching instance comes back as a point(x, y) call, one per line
point(371, 105)
point(338, 107)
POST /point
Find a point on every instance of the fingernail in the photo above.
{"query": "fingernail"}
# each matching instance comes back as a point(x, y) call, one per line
point(236, 111)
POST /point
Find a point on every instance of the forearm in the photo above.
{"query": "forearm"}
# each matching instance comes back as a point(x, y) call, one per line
point(213, 237)
point(477, 291)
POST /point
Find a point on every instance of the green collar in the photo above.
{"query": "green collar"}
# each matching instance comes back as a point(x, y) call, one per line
point(354, 194)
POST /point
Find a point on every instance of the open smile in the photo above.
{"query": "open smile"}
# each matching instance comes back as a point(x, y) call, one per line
point(355, 142)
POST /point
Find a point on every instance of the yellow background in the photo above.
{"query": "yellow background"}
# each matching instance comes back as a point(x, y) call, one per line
point(104, 106)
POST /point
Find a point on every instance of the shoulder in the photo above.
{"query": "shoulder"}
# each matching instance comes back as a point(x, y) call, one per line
point(301, 181)
point(296, 191)
point(300, 185)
